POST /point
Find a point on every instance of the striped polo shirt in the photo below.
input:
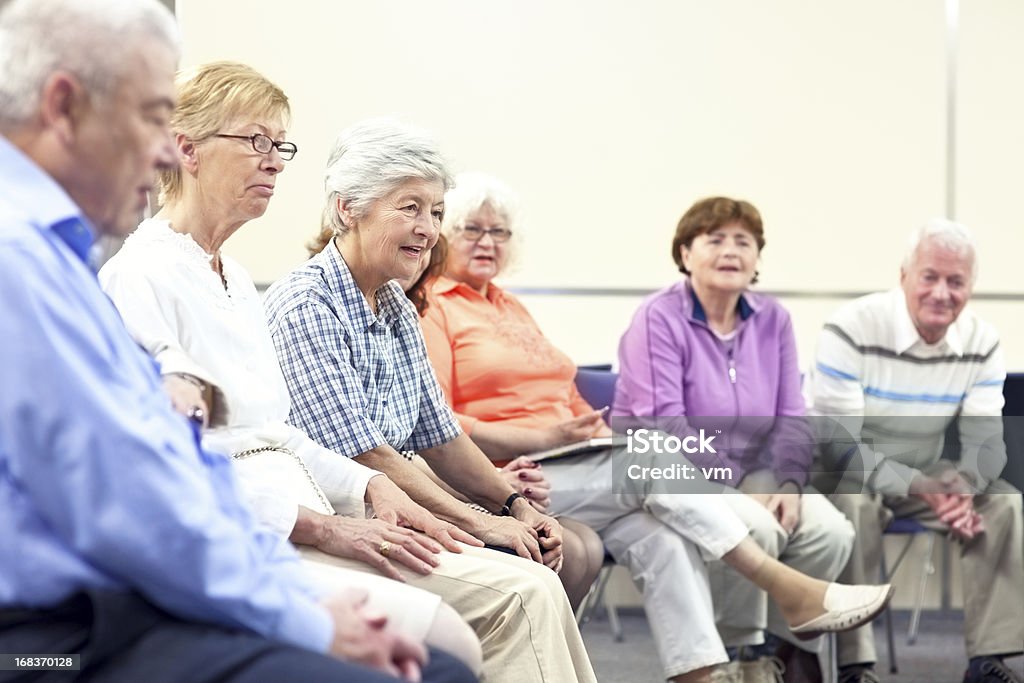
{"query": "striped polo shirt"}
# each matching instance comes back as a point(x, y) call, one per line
point(895, 394)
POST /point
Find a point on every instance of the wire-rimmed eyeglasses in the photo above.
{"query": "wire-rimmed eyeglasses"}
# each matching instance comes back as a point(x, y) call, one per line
point(474, 233)
point(263, 144)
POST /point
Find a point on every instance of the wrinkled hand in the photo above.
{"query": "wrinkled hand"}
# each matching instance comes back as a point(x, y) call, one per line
point(549, 534)
point(785, 508)
point(956, 510)
point(361, 635)
point(783, 504)
point(185, 397)
point(580, 428)
point(391, 504)
point(509, 532)
point(949, 496)
point(362, 539)
point(526, 477)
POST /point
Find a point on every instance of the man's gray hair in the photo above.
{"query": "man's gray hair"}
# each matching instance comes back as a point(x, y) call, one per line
point(373, 158)
point(92, 39)
point(946, 234)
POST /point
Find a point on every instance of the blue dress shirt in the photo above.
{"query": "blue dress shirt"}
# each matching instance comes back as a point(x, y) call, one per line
point(102, 484)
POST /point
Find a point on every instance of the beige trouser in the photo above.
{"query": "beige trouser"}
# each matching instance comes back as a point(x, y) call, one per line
point(517, 608)
point(819, 546)
point(992, 563)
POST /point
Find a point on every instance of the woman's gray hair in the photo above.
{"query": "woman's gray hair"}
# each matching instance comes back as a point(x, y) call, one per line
point(373, 158)
point(92, 39)
point(946, 234)
point(473, 191)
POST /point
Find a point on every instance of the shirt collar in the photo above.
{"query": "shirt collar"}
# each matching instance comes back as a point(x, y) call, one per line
point(444, 285)
point(905, 332)
point(745, 307)
point(389, 297)
point(27, 186)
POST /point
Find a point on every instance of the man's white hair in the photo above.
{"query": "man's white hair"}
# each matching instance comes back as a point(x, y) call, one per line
point(946, 234)
point(92, 39)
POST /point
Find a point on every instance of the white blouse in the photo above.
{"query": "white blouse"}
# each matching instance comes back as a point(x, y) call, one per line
point(177, 308)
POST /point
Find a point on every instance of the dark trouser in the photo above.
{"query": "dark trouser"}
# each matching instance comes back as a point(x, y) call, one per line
point(121, 637)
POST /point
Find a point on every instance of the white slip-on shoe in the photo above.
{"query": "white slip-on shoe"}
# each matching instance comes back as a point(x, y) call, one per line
point(846, 607)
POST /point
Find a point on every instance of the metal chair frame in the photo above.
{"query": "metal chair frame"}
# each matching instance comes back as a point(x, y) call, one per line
point(912, 530)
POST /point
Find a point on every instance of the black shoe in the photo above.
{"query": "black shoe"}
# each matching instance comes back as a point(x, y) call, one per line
point(990, 670)
point(800, 666)
point(858, 673)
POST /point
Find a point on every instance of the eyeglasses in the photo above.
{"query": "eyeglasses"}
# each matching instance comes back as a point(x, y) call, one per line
point(262, 144)
point(474, 233)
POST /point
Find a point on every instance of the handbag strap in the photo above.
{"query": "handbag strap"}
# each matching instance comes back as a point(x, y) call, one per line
point(242, 455)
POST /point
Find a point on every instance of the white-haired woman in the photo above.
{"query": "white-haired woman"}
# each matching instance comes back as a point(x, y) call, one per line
point(352, 352)
point(198, 313)
point(514, 393)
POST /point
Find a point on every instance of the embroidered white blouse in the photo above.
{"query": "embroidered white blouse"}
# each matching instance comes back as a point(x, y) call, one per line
point(178, 309)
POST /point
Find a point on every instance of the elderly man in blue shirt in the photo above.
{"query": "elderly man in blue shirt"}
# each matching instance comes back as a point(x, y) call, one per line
point(126, 543)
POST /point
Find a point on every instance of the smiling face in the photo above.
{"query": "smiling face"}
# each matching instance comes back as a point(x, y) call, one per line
point(936, 286)
point(389, 242)
point(723, 260)
point(235, 181)
point(477, 263)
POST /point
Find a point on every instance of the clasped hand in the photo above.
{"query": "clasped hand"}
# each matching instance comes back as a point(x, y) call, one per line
point(950, 496)
point(361, 635)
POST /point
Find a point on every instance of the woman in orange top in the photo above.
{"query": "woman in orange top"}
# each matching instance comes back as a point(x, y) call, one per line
point(514, 392)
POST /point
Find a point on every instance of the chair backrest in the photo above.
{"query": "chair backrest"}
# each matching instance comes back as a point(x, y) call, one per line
point(1013, 428)
point(597, 387)
point(1013, 392)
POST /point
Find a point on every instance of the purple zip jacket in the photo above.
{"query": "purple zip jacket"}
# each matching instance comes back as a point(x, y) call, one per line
point(672, 364)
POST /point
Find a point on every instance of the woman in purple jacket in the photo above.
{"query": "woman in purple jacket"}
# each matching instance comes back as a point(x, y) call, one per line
point(708, 353)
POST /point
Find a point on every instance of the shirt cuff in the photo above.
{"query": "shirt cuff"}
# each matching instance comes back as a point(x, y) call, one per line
point(892, 478)
point(275, 512)
point(307, 624)
point(173, 361)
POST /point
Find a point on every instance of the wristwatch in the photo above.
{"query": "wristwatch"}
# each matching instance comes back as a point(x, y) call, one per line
point(506, 509)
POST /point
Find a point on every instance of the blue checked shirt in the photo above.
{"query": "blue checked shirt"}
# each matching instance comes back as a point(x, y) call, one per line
point(357, 380)
point(102, 484)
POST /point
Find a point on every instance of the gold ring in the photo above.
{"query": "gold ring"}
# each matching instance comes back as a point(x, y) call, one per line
point(385, 548)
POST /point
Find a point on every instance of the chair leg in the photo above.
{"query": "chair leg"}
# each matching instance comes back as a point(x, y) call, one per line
point(596, 595)
point(926, 571)
point(828, 658)
point(613, 621)
point(890, 639)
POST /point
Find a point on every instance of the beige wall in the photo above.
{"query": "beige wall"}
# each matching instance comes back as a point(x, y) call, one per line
point(610, 118)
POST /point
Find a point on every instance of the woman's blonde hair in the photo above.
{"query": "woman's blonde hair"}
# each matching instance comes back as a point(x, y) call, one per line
point(209, 97)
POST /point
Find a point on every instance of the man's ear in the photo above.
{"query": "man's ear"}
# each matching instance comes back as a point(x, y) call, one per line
point(63, 104)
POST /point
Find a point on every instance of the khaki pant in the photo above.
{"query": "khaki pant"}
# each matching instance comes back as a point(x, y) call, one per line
point(819, 546)
point(517, 608)
point(993, 567)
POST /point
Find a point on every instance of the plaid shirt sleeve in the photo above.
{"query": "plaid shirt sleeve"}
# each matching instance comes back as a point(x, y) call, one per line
point(312, 345)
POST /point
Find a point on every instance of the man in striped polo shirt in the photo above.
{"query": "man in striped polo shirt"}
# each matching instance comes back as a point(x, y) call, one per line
point(893, 369)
